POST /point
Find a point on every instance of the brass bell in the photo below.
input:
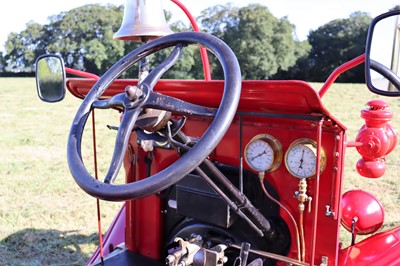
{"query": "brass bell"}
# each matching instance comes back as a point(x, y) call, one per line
point(143, 19)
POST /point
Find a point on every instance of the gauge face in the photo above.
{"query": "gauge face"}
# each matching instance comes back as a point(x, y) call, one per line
point(301, 158)
point(263, 153)
point(259, 155)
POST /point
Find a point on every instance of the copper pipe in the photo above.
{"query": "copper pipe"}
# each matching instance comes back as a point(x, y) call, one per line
point(302, 241)
point(261, 176)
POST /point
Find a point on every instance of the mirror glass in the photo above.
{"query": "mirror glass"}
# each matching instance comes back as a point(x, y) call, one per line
point(50, 78)
point(384, 56)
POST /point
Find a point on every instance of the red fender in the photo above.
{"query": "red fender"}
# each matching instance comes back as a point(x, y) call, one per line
point(382, 249)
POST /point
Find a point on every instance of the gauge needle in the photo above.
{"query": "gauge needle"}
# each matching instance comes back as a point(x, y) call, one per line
point(301, 160)
point(264, 152)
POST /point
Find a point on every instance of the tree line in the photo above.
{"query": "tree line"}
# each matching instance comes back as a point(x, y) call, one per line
point(266, 46)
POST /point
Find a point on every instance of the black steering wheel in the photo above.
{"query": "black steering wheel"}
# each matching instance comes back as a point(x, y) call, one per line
point(142, 96)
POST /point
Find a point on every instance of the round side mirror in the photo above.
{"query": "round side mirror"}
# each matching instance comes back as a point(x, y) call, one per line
point(382, 54)
point(50, 78)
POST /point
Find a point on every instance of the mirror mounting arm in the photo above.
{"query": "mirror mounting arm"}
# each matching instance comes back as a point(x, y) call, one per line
point(81, 73)
point(338, 71)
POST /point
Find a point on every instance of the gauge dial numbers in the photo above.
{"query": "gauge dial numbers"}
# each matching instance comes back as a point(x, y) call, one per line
point(263, 153)
point(301, 158)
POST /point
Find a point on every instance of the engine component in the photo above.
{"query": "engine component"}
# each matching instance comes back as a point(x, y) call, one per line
point(182, 216)
point(191, 252)
point(196, 199)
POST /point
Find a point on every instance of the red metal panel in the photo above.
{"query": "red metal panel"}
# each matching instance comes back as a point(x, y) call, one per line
point(380, 249)
point(292, 96)
point(228, 152)
point(143, 233)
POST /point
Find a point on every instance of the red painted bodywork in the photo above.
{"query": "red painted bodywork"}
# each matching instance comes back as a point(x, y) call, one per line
point(380, 249)
point(365, 208)
point(287, 110)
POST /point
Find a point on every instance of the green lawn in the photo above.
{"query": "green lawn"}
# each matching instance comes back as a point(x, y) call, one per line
point(44, 216)
point(46, 219)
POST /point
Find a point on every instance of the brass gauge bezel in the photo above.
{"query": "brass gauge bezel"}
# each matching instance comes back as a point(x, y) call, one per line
point(277, 152)
point(308, 144)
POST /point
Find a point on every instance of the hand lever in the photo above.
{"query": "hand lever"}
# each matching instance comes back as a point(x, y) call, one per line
point(244, 253)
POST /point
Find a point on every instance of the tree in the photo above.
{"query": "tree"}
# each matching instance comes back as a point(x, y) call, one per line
point(215, 20)
point(84, 37)
point(189, 66)
point(23, 48)
point(2, 62)
point(300, 69)
point(262, 43)
point(336, 43)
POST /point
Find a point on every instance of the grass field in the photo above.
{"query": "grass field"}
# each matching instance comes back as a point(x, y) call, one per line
point(45, 219)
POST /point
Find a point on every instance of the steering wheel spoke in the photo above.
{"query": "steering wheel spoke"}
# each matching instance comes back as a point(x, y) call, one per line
point(174, 105)
point(154, 76)
point(115, 101)
point(124, 131)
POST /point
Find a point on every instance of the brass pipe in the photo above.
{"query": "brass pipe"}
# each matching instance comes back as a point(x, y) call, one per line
point(302, 197)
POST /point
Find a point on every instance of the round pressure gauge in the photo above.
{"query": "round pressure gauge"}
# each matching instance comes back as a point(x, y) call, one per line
point(263, 153)
point(301, 158)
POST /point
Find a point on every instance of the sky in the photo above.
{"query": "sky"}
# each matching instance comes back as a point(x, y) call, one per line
point(306, 15)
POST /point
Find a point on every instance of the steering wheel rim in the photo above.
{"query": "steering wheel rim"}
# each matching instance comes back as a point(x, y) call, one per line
point(388, 74)
point(188, 162)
